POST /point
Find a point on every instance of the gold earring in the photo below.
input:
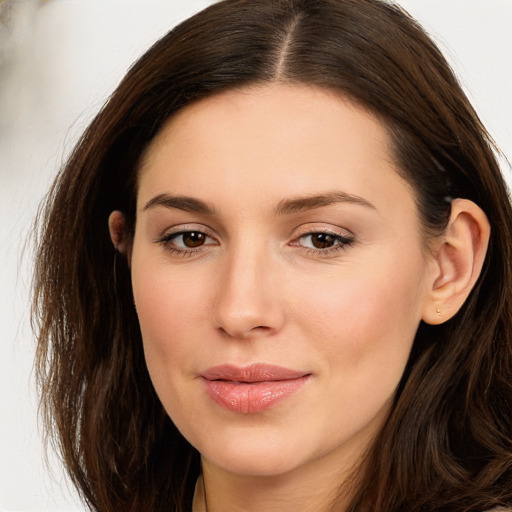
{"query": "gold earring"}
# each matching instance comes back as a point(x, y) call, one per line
point(438, 311)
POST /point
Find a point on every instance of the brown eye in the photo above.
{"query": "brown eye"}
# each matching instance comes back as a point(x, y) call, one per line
point(193, 239)
point(186, 242)
point(322, 240)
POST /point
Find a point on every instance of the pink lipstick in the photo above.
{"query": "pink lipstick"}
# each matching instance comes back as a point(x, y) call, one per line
point(252, 389)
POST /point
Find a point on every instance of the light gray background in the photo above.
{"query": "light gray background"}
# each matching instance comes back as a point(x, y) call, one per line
point(59, 59)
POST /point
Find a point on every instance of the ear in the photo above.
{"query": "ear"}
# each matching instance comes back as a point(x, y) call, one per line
point(117, 229)
point(457, 261)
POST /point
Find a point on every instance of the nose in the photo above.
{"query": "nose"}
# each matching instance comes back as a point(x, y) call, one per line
point(248, 302)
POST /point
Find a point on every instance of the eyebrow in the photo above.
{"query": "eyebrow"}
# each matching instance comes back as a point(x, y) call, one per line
point(185, 203)
point(284, 207)
point(299, 204)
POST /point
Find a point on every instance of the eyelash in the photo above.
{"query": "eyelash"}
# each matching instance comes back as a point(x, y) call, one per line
point(341, 242)
point(167, 242)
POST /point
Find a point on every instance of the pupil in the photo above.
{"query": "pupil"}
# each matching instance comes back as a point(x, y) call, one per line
point(193, 239)
point(322, 240)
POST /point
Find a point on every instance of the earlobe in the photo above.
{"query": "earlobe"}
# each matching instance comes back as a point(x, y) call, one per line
point(458, 261)
point(117, 229)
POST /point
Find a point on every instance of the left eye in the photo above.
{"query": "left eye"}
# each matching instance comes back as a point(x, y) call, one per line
point(323, 240)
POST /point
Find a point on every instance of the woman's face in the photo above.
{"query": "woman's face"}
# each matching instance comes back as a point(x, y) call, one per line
point(279, 275)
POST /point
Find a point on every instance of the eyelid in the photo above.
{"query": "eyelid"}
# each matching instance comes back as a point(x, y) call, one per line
point(166, 237)
point(172, 236)
point(185, 228)
point(317, 227)
point(343, 237)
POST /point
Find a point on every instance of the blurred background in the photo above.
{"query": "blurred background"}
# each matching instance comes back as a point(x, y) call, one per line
point(59, 61)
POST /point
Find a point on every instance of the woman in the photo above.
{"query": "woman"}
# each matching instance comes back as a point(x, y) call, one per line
point(276, 274)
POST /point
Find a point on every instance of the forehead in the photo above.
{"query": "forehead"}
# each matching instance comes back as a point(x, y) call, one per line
point(275, 141)
point(274, 106)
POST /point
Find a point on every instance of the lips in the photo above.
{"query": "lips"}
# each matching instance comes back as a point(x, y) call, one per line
point(252, 389)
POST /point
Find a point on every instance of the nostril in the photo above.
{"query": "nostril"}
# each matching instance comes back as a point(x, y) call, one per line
point(241, 333)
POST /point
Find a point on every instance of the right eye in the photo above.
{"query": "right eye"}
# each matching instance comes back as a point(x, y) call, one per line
point(189, 239)
point(186, 242)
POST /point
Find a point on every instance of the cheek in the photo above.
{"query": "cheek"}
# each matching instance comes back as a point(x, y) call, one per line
point(365, 319)
point(169, 310)
point(364, 328)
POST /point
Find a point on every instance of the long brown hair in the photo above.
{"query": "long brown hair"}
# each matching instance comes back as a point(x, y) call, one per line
point(447, 445)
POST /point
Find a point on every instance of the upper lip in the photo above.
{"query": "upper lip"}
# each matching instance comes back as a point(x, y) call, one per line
point(257, 372)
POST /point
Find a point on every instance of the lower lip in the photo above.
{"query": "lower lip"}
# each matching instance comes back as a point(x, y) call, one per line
point(252, 397)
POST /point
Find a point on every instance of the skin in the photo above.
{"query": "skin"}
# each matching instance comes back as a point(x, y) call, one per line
point(256, 286)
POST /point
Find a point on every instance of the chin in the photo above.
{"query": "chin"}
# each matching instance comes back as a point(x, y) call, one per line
point(261, 458)
point(256, 465)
